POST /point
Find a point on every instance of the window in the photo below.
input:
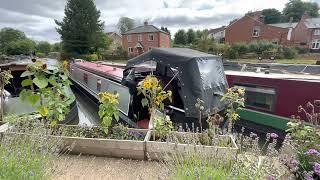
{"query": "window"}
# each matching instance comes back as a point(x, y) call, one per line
point(129, 37)
point(316, 32)
point(98, 85)
point(140, 37)
point(315, 44)
point(256, 31)
point(150, 37)
point(130, 50)
point(85, 78)
point(259, 97)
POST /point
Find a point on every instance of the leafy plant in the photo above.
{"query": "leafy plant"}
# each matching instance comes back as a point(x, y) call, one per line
point(234, 99)
point(108, 110)
point(5, 77)
point(306, 138)
point(163, 126)
point(47, 87)
point(122, 132)
point(154, 95)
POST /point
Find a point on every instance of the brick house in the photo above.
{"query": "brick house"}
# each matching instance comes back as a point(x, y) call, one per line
point(116, 41)
point(251, 28)
point(218, 34)
point(143, 38)
point(307, 33)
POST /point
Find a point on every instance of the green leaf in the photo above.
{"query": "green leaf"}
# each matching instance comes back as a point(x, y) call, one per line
point(41, 82)
point(64, 77)
point(43, 111)
point(53, 82)
point(26, 82)
point(116, 116)
point(27, 73)
point(34, 99)
point(144, 102)
point(24, 94)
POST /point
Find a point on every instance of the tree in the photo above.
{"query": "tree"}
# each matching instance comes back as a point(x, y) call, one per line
point(180, 37)
point(191, 36)
point(271, 16)
point(296, 8)
point(56, 47)
point(8, 35)
point(25, 46)
point(205, 43)
point(44, 47)
point(125, 24)
point(81, 27)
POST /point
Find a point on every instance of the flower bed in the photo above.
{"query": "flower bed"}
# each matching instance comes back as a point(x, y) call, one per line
point(92, 140)
point(181, 142)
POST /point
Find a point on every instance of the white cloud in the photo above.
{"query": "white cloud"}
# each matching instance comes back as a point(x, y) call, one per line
point(36, 17)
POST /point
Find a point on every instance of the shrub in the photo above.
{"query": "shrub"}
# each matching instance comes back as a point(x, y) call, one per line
point(89, 57)
point(232, 54)
point(289, 53)
point(241, 48)
point(301, 50)
point(25, 47)
point(40, 55)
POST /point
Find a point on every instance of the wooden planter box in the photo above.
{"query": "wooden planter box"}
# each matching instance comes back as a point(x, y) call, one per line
point(106, 147)
point(157, 150)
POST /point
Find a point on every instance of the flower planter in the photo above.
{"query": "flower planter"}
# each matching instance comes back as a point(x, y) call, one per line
point(157, 150)
point(132, 149)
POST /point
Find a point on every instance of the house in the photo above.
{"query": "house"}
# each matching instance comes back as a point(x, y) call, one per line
point(143, 38)
point(116, 41)
point(251, 28)
point(307, 33)
point(218, 34)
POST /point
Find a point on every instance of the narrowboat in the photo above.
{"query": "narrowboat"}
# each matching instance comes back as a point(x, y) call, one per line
point(189, 74)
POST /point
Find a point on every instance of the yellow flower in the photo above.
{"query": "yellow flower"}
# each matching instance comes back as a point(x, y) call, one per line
point(65, 65)
point(241, 91)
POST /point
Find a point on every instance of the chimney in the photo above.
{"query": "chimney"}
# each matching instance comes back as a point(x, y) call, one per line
point(145, 23)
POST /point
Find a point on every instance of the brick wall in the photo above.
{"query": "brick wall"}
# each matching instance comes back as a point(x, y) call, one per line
point(242, 31)
point(159, 40)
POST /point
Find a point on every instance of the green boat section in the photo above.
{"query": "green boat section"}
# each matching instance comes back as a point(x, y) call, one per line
point(264, 119)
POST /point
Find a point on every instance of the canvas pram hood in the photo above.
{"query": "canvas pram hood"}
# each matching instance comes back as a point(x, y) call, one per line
point(201, 76)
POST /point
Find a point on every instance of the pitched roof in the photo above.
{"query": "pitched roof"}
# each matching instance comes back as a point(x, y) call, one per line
point(217, 29)
point(143, 29)
point(284, 25)
point(312, 22)
point(113, 33)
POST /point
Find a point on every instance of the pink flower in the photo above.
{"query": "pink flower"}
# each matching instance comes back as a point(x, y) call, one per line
point(312, 152)
point(316, 169)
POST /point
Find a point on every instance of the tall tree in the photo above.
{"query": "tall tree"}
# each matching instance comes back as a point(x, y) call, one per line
point(81, 27)
point(296, 8)
point(44, 47)
point(271, 16)
point(8, 35)
point(24, 46)
point(180, 37)
point(125, 24)
point(56, 47)
point(205, 43)
point(191, 36)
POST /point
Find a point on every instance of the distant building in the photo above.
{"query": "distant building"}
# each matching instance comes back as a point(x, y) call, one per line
point(116, 41)
point(143, 38)
point(307, 33)
point(251, 28)
point(218, 34)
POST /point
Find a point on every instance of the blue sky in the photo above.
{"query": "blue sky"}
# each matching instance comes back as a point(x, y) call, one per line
point(36, 17)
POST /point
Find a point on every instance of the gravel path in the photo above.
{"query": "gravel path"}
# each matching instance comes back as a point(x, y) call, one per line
point(90, 167)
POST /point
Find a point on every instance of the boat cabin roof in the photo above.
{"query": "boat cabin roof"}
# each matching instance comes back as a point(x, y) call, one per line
point(103, 69)
point(296, 77)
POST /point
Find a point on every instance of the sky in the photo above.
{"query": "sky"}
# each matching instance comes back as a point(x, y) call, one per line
point(36, 17)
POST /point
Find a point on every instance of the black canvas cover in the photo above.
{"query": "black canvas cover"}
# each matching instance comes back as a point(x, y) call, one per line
point(201, 75)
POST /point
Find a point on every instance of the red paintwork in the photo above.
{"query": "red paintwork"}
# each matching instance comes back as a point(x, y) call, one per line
point(108, 70)
point(289, 93)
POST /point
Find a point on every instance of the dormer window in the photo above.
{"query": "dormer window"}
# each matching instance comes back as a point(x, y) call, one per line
point(256, 31)
point(129, 37)
point(316, 32)
point(150, 37)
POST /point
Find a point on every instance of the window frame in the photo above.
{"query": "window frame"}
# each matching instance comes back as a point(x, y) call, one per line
point(314, 44)
point(131, 49)
point(262, 90)
point(129, 38)
point(149, 35)
point(139, 37)
point(256, 29)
